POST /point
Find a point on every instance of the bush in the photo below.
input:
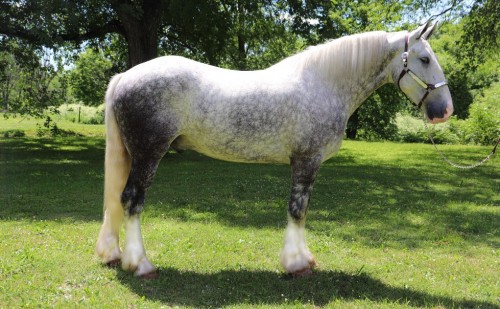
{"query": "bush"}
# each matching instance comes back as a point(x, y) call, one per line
point(14, 133)
point(481, 128)
point(413, 130)
point(50, 129)
point(410, 129)
point(82, 113)
point(483, 125)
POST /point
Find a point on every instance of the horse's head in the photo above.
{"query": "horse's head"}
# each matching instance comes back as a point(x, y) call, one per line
point(419, 76)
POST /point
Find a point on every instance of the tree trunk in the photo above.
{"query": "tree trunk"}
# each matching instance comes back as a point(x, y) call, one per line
point(352, 126)
point(351, 133)
point(141, 24)
point(242, 55)
point(5, 95)
point(142, 44)
point(242, 63)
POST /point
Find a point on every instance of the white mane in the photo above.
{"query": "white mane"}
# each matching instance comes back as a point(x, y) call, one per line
point(344, 57)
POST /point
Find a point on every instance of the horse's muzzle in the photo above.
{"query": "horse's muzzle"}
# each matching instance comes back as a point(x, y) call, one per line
point(438, 112)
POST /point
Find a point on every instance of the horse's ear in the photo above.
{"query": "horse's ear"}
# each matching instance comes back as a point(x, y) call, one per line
point(430, 31)
point(421, 31)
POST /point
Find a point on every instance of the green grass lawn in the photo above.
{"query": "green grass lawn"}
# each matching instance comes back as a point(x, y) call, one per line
point(391, 226)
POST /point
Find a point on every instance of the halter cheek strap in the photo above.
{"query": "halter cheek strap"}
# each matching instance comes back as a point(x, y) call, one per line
point(428, 87)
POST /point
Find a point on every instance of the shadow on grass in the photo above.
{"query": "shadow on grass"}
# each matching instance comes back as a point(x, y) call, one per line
point(51, 178)
point(405, 204)
point(243, 287)
point(400, 203)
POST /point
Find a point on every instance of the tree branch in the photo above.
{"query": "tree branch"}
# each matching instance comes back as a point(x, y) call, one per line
point(18, 32)
point(452, 6)
point(113, 26)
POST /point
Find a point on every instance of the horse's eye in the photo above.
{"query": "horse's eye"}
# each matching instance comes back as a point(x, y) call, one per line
point(425, 60)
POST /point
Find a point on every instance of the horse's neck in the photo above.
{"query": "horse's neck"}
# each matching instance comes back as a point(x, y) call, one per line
point(353, 66)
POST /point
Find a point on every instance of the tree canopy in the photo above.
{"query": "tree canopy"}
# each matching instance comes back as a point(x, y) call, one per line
point(86, 79)
point(113, 35)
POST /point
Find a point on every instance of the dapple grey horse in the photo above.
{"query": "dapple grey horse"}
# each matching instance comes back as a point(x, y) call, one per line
point(295, 112)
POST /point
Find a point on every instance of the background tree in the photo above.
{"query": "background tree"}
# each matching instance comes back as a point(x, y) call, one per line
point(468, 72)
point(481, 29)
point(140, 22)
point(90, 77)
point(255, 35)
point(30, 82)
point(258, 36)
point(9, 76)
point(243, 34)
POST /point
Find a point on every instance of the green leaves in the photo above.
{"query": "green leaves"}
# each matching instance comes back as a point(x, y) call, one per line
point(90, 77)
point(30, 83)
point(481, 30)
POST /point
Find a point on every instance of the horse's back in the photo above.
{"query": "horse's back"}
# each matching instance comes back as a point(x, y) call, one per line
point(177, 80)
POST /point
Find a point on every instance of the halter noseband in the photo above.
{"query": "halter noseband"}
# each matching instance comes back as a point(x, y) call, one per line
point(428, 87)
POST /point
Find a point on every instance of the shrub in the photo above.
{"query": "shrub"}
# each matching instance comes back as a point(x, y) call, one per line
point(14, 133)
point(413, 130)
point(82, 113)
point(483, 124)
point(482, 127)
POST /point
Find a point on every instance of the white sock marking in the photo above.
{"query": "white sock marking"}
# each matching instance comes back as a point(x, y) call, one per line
point(295, 256)
point(134, 255)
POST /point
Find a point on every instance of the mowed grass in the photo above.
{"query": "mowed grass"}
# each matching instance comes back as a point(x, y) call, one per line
point(391, 226)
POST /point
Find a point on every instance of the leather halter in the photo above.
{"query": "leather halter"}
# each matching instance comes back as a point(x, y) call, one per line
point(428, 87)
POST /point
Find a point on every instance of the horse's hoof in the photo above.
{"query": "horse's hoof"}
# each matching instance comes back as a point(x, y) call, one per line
point(114, 263)
point(152, 275)
point(313, 263)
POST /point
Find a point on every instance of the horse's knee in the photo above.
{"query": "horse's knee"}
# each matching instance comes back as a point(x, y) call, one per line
point(140, 178)
point(303, 175)
point(132, 199)
point(299, 202)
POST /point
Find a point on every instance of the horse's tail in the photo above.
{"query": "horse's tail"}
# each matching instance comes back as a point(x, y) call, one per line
point(116, 171)
point(117, 159)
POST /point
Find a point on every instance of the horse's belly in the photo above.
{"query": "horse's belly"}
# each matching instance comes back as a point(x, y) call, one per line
point(234, 150)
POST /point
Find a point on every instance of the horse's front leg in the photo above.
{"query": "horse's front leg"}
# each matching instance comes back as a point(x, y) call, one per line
point(295, 256)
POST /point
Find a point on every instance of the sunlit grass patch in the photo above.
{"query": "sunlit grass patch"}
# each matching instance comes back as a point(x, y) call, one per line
point(390, 224)
point(16, 126)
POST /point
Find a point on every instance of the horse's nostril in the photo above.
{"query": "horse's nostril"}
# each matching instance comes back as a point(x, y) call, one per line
point(436, 110)
point(449, 110)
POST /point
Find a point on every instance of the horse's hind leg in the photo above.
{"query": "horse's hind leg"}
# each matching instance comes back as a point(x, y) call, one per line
point(295, 256)
point(141, 175)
